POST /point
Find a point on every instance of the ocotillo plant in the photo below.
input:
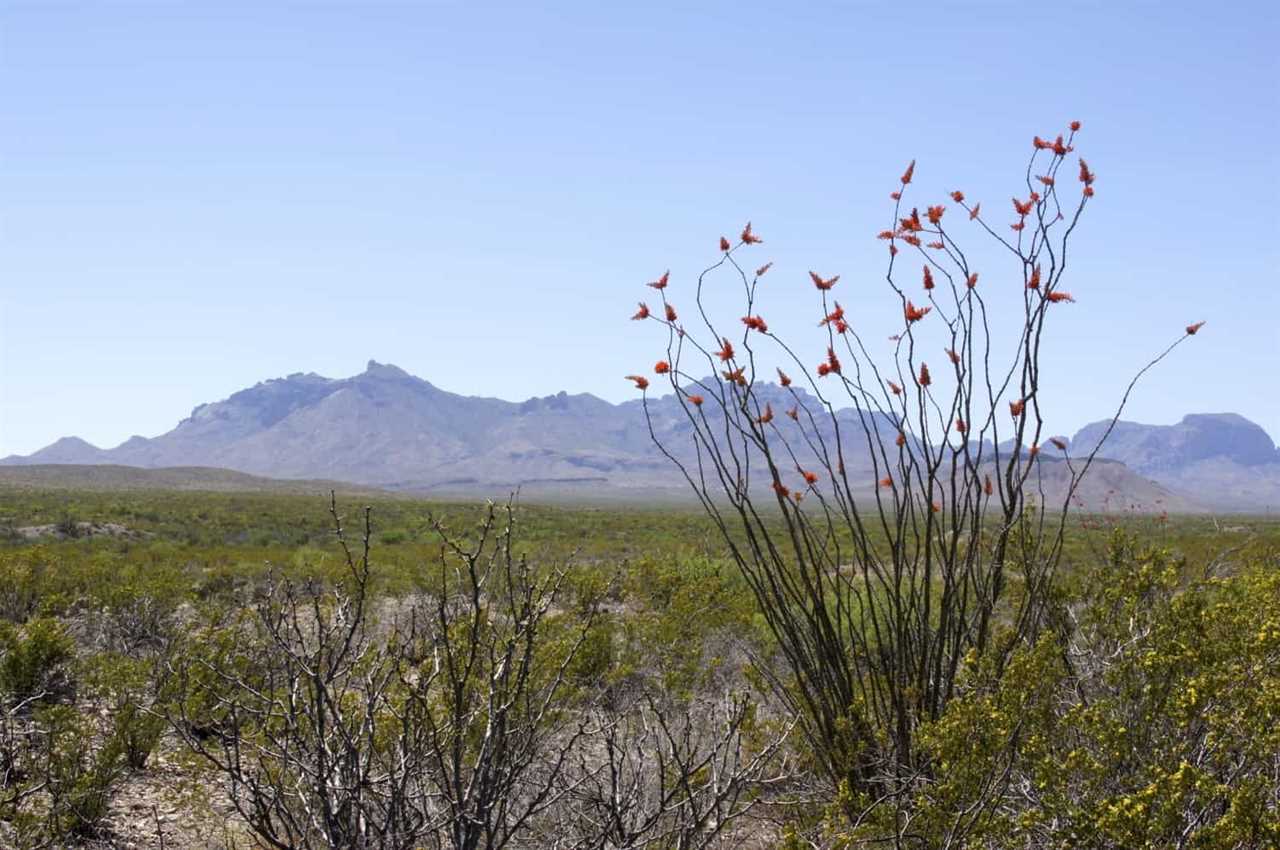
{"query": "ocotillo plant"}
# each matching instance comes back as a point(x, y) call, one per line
point(890, 524)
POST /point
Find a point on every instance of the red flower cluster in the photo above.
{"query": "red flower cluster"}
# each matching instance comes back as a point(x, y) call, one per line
point(928, 278)
point(906, 175)
point(662, 367)
point(671, 313)
point(661, 283)
point(832, 364)
point(1016, 407)
point(914, 313)
point(1034, 282)
point(925, 378)
point(726, 353)
point(935, 214)
point(642, 313)
point(823, 284)
point(1193, 329)
point(755, 323)
point(766, 417)
point(724, 244)
point(1058, 297)
point(783, 379)
point(640, 380)
point(760, 271)
point(695, 400)
point(749, 238)
point(972, 281)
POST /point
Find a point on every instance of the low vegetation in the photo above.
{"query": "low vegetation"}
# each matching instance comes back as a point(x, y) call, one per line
point(240, 674)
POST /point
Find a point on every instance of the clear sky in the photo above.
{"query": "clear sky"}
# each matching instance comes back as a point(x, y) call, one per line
point(198, 196)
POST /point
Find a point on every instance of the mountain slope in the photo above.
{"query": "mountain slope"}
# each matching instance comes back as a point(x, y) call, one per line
point(1225, 460)
point(387, 428)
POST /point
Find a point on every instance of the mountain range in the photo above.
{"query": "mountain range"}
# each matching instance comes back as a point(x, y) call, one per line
point(388, 429)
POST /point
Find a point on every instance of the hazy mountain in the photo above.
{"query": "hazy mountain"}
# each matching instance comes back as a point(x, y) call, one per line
point(387, 428)
point(1222, 459)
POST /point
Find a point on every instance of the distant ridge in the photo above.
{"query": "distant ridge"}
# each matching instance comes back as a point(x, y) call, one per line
point(114, 478)
point(387, 429)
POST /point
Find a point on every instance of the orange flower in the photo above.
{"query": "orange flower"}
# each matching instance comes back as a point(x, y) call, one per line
point(986, 486)
point(897, 196)
point(760, 271)
point(935, 507)
point(823, 284)
point(1034, 282)
point(748, 237)
point(755, 323)
point(841, 326)
point(726, 353)
point(972, 281)
point(906, 175)
point(900, 440)
point(833, 362)
point(911, 223)
point(1059, 443)
point(797, 497)
point(1023, 208)
point(794, 413)
point(660, 283)
point(911, 239)
point(1017, 226)
point(695, 400)
point(962, 426)
point(1192, 330)
point(735, 376)
point(823, 370)
point(937, 246)
point(914, 313)
point(1034, 450)
point(1088, 191)
point(1060, 147)
point(1058, 296)
point(893, 250)
point(783, 379)
point(925, 379)
point(973, 213)
point(935, 214)
point(1046, 180)
point(894, 388)
point(834, 316)
point(955, 358)
point(809, 477)
point(928, 278)
point(887, 481)
point(1016, 407)
point(1040, 143)
point(641, 381)
point(662, 367)
point(724, 244)
point(780, 489)
point(957, 196)
point(766, 417)
point(671, 313)
point(1086, 176)
point(1075, 126)
point(642, 313)
point(885, 234)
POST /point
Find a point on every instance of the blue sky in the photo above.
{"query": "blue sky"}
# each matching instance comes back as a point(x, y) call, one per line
point(198, 196)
